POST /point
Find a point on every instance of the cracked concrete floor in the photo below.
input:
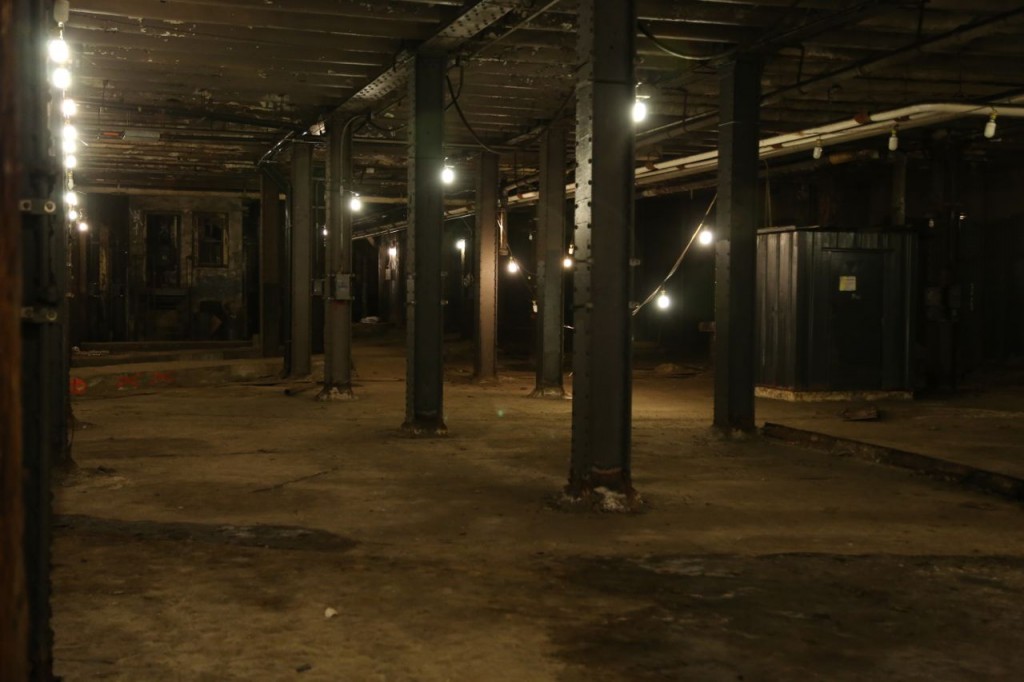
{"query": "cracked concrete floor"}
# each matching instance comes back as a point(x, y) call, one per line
point(208, 530)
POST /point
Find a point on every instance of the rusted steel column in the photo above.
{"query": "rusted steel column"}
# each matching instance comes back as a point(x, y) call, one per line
point(485, 269)
point(550, 271)
point(338, 281)
point(424, 317)
point(14, 618)
point(735, 255)
point(301, 343)
point(602, 382)
point(44, 314)
point(271, 291)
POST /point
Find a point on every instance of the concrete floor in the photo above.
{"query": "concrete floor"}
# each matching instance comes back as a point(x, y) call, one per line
point(208, 529)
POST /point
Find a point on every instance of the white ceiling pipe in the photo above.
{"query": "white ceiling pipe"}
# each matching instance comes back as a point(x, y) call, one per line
point(906, 117)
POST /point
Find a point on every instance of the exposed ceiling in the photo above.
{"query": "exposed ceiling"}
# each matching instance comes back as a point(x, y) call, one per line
point(192, 94)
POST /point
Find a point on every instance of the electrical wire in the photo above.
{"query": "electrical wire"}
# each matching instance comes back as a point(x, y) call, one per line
point(458, 108)
point(679, 261)
point(679, 55)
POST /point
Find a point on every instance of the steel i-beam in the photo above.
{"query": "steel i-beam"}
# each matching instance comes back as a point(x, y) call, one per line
point(338, 286)
point(485, 274)
point(550, 268)
point(301, 346)
point(424, 317)
point(735, 251)
point(601, 419)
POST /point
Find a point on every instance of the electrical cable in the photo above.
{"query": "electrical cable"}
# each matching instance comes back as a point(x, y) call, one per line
point(679, 261)
point(458, 108)
point(679, 55)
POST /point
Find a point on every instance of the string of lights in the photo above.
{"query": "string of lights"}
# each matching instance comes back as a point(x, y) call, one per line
point(59, 57)
point(700, 234)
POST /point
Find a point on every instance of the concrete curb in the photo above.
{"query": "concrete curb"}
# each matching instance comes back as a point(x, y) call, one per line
point(992, 482)
point(103, 382)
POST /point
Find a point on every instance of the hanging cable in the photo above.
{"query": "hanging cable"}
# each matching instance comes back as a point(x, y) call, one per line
point(458, 108)
point(679, 55)
point(679, 261)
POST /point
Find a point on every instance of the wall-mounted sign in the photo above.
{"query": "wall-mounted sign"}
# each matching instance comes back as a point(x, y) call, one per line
point(848, 283)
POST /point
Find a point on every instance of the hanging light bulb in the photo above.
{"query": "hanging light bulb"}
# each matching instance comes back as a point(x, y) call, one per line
point(513, 266)
point(448, 175)
point(58, 51)
point(83, 226)
point(69, 132)
point(70, 161)
point(705, 237)
point(355, 204)
point(567, 262)
point(325, 230)
point(73, 215)
point(61, 78)
point(69, 108)
point(69, 146)
point(663, 301)
point(894, 140)
point(393, 251)
point(990, 126)
point(70, 198)
point(461, 245)
point(639, 111)
point(818, 150)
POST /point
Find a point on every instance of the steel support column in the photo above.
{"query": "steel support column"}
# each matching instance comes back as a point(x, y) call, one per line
point(424, 317)
point(602, 385)
point(338, 286)
point(301, 343)
point(43, 312)
point(735, 256)
point(550, 271)
point(15, 517)
point(271, 290)
point(485, 269)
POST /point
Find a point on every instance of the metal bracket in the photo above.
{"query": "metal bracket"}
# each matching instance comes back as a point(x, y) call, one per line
point(39, 315)
point(37, 206)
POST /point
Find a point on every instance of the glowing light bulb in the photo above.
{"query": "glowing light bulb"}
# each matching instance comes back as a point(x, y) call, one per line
point(83, 226)
point(355, 204)
point(567, 262)
point(393, 251)
point(818, 150)
point(58, 51)
point(69, 146)
point(70, 198)
point(663, 301)
point(325, 231)
point(990, 126)
point(639, 111)
point(69, 108)
point(61, 78)
point(69, 132)
point(894, 140)
point(70, 161)
point(73, 215)
point(461, 245)
point(706, 237)
point(513, 266)
point(448, 175)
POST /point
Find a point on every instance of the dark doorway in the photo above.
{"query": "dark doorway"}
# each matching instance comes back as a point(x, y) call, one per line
point(163, 250)
point(855, 335)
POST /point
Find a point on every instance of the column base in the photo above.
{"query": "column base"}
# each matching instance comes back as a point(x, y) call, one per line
point(603, 491)
point(425, 427)
point(550, 392)
point(336, 393)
